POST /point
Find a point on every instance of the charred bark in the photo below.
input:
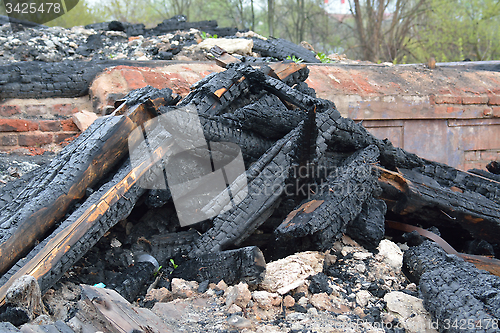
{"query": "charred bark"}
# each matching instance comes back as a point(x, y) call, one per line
point(84, 239)
point(453, 290)
point(281, 49)
point(369, 227)
point(283, 91)
point(63, 182)
point(233, 266)
point(336, 203)
point(266, 183)
point(267, 117)
point(412, 194)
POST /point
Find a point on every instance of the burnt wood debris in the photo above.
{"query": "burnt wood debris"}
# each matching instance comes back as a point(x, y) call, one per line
point(311, 176)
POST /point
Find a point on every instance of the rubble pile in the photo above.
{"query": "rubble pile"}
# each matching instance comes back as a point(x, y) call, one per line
point(173, 39)
point(123, 206)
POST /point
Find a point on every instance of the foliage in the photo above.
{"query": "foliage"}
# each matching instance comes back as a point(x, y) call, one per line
point(295, 59)
point(455, 30)
point(323, 58)
point(204, 35)
point(81, 14)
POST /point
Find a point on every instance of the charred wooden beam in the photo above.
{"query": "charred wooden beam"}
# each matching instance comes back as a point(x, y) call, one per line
point(282, 90)
point(104, 208)
point(369, 226)
point(213, 94)
point(335, 203)
point(266, 183)
point(447, 176)
point(63, 182)
point(233, 266)
point(268, 117)
point(452, 289)
point(411, 193)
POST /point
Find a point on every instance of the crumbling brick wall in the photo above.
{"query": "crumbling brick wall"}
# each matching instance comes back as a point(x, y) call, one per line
point(38, 123)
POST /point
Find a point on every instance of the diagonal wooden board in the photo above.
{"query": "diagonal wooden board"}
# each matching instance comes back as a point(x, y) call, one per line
point(54, 250)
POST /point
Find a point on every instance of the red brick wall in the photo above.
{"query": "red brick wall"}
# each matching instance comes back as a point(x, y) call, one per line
point(41, 124)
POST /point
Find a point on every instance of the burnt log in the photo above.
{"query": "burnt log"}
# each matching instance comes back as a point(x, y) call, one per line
point(486, 174)
point(267, 117)
point(454, 292)
point(485, 185)
point(494, 167)
point(233, 266)
point(481, 262)
point(266, 183)
point(413, 194)
point(103, 209)
point(281, 49)
point(36, 79)
point(335, 203)
point(63, 182)
point(48, 261)
point(368, 228)
point(282, 90)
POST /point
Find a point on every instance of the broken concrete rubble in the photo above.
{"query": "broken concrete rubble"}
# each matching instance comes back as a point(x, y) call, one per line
point(339, 164)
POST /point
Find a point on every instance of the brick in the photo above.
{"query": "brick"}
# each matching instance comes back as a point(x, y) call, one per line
point(445, 99)
point(35, 110)
point(50, 125)
point(17, 125)
point(474, 165)
point(34, 139)
point(478, 99)
point(494, 99)
point(490, 155)
point(83, 119)
point(60, 137)
point(64, 109)
point(488, 112)
point(134, 78)
point(8, 140)
point(495, 111)
point(472, 155)
point(155, 79)
point(68, 125)
point(444, 109)
point(9, 110)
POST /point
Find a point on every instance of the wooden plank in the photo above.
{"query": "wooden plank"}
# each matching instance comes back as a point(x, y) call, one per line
point(67, 181)
point(45, 259)
point(120, 314)
point(408, 192)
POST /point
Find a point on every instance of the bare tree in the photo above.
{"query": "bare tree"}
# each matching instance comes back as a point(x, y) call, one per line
point(270, 16)
point(383, 28)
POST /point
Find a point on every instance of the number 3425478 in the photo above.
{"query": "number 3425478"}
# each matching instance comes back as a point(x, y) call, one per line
point(32, 8)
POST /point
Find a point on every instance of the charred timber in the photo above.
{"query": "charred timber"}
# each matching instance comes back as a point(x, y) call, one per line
point(410, 193)
point(63, 182)
point(454, 290)
point(266, 183)
point(335, 203)
point(233, 266)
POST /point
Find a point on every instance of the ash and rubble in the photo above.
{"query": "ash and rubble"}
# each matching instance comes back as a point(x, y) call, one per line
point(346, 289)
point(173, 39)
